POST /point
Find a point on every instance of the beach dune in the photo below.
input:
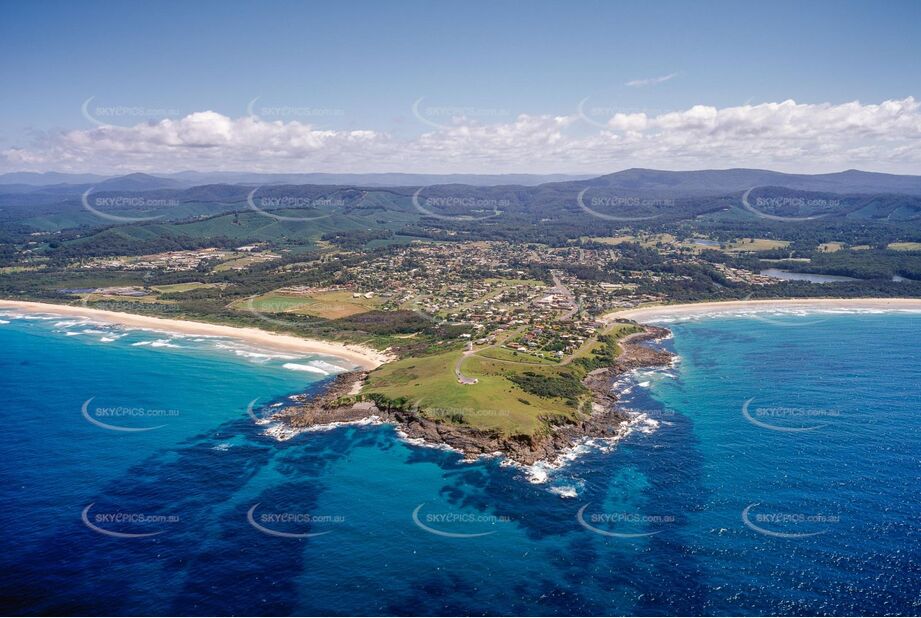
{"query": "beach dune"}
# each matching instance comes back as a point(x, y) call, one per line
point(363, 356)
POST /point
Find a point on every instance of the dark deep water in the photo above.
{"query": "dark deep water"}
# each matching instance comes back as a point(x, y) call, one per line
point(831, 508)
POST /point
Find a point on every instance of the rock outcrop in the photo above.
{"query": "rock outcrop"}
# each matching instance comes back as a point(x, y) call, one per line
point(606, 421)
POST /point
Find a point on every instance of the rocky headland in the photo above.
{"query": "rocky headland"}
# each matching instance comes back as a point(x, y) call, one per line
point(338, 405)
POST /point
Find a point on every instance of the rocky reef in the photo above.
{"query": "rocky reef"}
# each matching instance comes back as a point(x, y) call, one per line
point(607, 419)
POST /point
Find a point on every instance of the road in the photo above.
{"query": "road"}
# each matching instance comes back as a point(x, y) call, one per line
point(564, 291)
point(457, 366)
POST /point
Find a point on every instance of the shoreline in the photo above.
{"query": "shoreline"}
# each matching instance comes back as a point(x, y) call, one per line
point(608, 422)
point(362, 356)
point(657, 312)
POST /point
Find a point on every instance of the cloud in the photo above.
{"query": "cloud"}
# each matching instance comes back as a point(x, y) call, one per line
point(650, 81)
point(786, 135)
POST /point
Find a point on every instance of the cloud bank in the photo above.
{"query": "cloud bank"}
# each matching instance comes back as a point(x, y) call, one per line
point(787, 136)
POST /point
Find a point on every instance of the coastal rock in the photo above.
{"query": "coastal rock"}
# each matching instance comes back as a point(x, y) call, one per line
point(606, 421)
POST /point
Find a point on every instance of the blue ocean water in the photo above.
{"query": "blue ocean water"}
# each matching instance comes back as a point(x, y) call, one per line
point(783, 477)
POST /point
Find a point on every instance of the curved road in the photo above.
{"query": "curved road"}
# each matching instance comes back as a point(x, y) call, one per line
point(457, 366)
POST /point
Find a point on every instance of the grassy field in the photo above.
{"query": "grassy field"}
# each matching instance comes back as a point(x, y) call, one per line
point(240, 262)
point(741, 244)
point(504, 354)
point(181, 287)
point(905, 246)
point(20, 269)
point(148, 299)
point(329, 305)
point(333, 305)
point(831, 247)
point(755, 244)
point(615, 240)
point(493, 403)
point(273, 302)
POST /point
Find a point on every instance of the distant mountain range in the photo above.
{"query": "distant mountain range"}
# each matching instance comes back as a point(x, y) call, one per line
point(27, 181)
point(632, 181)
point(852, 194)
point(723, 182)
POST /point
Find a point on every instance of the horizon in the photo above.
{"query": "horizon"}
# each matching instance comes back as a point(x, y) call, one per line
point(569, 175)
point(606, 308)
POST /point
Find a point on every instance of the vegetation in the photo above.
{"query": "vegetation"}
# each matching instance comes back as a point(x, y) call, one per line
point(494, 402)
point(305, 271)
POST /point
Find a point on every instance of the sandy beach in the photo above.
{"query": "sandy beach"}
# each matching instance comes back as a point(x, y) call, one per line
point(363, 356)
point(654, 312)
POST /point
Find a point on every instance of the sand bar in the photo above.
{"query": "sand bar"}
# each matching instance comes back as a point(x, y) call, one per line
point(654, 312)
point(363, 356)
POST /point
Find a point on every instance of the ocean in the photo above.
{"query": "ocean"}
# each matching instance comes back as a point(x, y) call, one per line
point(777, 470)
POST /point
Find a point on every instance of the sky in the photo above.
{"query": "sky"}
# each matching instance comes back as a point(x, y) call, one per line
point(472, 87)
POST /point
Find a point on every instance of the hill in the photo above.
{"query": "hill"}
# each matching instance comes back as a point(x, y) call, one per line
point(722, 182)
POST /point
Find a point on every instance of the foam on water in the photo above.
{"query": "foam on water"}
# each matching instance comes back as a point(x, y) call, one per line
point(70, 323)
point(690, 457)
point(328, 367)
point(795, 312)
point(283, 432)
point(245, 351)
point(303, 367)
point(164, 343)
point(565, 491)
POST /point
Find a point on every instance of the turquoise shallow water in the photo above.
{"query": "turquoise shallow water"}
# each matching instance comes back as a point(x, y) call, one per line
point(823, 462)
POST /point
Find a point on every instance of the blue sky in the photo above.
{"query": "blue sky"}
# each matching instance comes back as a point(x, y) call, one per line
point(360, 66)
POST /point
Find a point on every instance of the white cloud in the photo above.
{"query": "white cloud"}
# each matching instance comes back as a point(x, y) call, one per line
point(785, 135)
point(650, 81)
